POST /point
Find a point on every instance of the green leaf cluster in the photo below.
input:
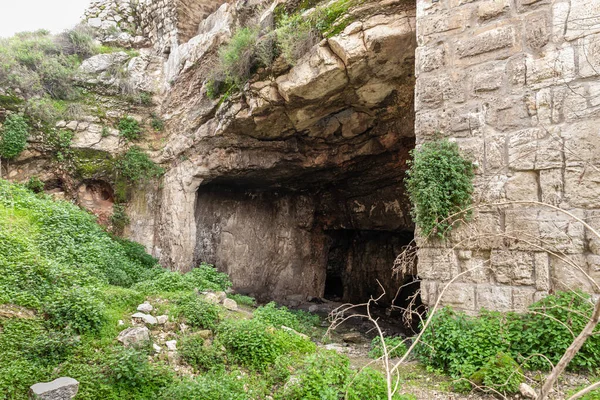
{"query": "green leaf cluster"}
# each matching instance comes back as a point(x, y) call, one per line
point(440, 186)
point(467, 346)
point(13, 136)
point(129, 129)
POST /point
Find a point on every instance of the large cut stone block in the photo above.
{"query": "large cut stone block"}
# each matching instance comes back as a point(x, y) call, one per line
point(459, 295)
point(439, 264)
point(487, 41)
point(497, 298)
point(534, 149)
point(513, 267)
point(570, 273)
point(582, 186)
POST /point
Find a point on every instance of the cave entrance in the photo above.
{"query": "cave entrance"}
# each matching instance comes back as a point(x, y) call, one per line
point(359, 264)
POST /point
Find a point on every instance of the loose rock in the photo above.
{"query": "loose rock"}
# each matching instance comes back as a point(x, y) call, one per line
point(527, 391)
point(353, 337)
point(60, 389)
point(148, 319)
point(230, 304)
point(172, 345)
point(145, 308)
point(162, 319)
point(134, 336)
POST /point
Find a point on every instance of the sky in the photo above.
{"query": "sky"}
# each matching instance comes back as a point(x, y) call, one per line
point(30, 15)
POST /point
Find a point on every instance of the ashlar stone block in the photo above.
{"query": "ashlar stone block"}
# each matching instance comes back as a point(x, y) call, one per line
point(512, 267)
point(492, 297)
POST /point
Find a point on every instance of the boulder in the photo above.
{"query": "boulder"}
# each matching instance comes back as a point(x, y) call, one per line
point(527, 391)
point(145, 308)
point(353, 337)
point(134, 336)
point(147, 318)
point(230, 304)
point(59, 389)
point(162, 319)
point(212, 298)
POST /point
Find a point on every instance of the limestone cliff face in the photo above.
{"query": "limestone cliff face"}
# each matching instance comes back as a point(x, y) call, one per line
point(294, 185)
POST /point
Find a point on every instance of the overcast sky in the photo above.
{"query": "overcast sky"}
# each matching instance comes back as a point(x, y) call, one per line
point(29, 15)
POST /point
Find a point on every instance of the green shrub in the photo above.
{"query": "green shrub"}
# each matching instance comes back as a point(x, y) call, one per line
point(323, 376)
point(35, 185)
point(78, 308)
point(546, 330)
point(500, 373)
point(196, 353)
point(58, 142)
point(157, 123)
point(129, 129)
point(218, 385)
point(78, 41)
point(238, 57)
point(119, 218)
point(130, 369)
point(197, 312)
point(439, 183)
point(251, 343)
point(136, 166)
point(243, 300)
point(13, 136)
point(370, 384)
point(277, 316)
point(395, 347)
point(206, 277)
point(52, 347)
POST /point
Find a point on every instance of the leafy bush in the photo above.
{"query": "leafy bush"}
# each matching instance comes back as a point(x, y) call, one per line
point(277, 316)
point(323, 376)
point(546, 331)
point(136, 166)
point(58, 142)
point(197, 312)
point(78, 41)
point(204, 277)
point(251, 343)
point(462, 345)
point(35, 185)
point(129, 129)
point(296, 35)
point(243, 300)
point(78, 308)
point(500, 373)
point(157, 123)
point(130, 369)
point(200, 356)
point(51, 347)
point(212, 386)
point(395, 347)
point(119, 218)
point(13, 136)
point(439, 183)
point(370, 384)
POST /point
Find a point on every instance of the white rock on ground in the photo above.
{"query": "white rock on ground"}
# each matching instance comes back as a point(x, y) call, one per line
point(148, 319)
point(134, 336)
point(162, 319)
point(172, 345)
point(157, 348)
point(527, 391)
point(64, 388)
point(212, 298)
point(145, 308)
point(230, 304)
point(221, 296)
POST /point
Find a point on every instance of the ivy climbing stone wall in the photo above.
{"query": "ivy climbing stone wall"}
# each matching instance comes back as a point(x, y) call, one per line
point(516, 84)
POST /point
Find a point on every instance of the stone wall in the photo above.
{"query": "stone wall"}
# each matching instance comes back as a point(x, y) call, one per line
point(516, 85)
point(165, 23)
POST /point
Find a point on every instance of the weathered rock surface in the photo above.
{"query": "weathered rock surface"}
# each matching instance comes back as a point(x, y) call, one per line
point(145, 308)
point(134, 336)
point(59, 389)
point(146, 318)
